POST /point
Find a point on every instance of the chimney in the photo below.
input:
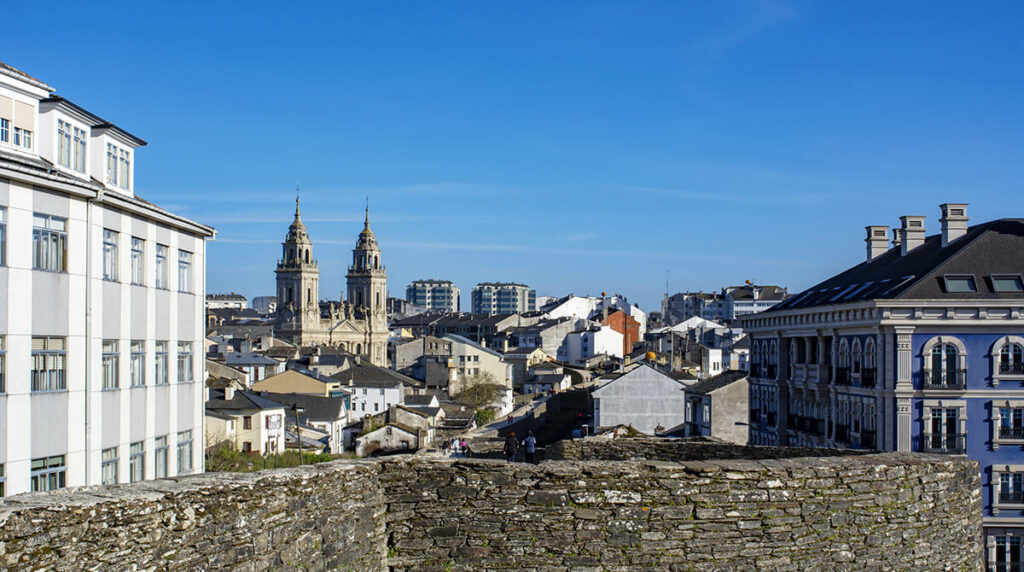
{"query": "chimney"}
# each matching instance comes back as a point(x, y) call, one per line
point(229, 392)
point(877, 241)
point(911, 233)
point(896, 238)
point(954, 221)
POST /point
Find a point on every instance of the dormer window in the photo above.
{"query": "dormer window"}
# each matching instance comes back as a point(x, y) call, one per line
point(22, 138)
point(70, 146)
point(1007, 283)
point(960, 284)
point(118, 166)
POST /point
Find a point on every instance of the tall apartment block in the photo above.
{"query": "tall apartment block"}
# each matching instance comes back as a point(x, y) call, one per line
point(503, 298)
point(101, 305)
point(919, 347)
point(438, 295)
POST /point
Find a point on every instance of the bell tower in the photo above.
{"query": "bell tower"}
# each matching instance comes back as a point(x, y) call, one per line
point(367, 291)
point(298, 283)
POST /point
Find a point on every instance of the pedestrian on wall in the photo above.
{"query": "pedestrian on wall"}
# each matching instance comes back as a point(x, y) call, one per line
point(511, 446)
point(464, 446)
point(530, 447)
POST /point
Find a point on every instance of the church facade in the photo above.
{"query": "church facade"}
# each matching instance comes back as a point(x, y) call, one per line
point(357, 324)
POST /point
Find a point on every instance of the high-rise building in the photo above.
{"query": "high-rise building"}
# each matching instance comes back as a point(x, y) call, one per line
point(919, 347)
point(102, 329)
point(503, 298)
point(358, 323)
point(437, 295)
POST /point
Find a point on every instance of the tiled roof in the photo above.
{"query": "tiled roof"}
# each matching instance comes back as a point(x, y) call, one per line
point(719, 381)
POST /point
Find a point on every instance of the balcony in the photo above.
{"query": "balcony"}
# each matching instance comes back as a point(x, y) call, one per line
point(868, 377)
point(770, 371)
point(772, 419)
point(948, 379)
point(1011, 497)
point(842, 434)
point(1011, 368)
point(842, 376)
point(955, 443)
point(868, 440)
point(1011, 432)
point(755, 416)
point(755, 370)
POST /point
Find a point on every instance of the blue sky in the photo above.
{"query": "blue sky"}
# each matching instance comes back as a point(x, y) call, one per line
point(575, 146)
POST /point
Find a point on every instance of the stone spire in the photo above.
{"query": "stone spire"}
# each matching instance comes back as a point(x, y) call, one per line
point(297, 231)
point(367, 241)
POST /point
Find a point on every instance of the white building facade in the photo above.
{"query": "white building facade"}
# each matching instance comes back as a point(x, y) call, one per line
point(101, 323)
point(436, 295)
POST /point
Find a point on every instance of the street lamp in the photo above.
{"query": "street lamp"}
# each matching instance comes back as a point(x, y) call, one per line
point(298, 429)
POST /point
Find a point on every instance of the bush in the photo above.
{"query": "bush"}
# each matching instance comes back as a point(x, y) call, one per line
point(484, 416)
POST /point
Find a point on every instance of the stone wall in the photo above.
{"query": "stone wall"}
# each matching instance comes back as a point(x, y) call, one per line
point(316, 517)
point(861, 511)
point(885, 511)
point(690, 449)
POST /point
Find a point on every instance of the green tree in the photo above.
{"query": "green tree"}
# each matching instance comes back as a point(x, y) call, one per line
point(480, 391)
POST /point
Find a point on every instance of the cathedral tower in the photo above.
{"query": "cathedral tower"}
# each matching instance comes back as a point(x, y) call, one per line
point(367, 292)
point(298, 283)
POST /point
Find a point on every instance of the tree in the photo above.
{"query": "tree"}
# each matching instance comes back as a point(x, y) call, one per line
point(480, 391)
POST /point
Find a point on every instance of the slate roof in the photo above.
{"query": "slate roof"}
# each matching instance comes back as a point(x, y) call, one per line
point(995, 247)
point(718, 382)
point(316, 408)
point(242, 401)
point(418, 400)
point(248, 358)
point(367, 375)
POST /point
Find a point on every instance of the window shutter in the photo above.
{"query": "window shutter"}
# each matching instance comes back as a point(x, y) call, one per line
point(25, 117)
point(6, 108)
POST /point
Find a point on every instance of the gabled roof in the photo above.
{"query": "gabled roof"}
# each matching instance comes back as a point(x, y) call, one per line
point(241, 401)
point(419, 400)
point(639, 371)
point(248, 358)
point(719, 381)
point(364, 374)
point(995, 247)
point(316, 408)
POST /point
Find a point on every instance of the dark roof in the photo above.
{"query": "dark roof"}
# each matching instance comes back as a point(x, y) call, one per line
point(365, 374)
point(241, 401)
point(995, 247)
point(414, 400)
point(248, 358)
point(317, 408)
point(719, 381)
point(233, 297)
point(552, 378)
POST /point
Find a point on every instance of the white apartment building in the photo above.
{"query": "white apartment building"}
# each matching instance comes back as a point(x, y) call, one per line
point(101, 305)
point(435, 295)
point(585, 344)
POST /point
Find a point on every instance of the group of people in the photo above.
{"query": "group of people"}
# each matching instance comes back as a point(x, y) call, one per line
point(529, 445)
point(455, 447)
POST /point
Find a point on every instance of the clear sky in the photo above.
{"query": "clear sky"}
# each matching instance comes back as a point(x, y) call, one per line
point(574, 146)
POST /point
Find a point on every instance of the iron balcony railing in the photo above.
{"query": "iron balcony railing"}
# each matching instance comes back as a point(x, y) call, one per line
point(1011, 497)
point(1007, 567)
point(1011, 432)
point(772, 419)
point(944, 443)
point(842, 433)
point(842, 376)
point(1011, 368)
point(868, 439)
point(867, 377)
point(770, 371)
point(944, 379)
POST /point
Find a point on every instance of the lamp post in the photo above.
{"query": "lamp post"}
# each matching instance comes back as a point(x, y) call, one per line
point(298, 430)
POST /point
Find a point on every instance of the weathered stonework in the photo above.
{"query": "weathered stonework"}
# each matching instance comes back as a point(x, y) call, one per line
point(883, 511)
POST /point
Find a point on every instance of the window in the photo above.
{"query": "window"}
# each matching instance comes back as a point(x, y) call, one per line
point(184, 452)
point(138, 363)
point(161, 266)
point(1011, 359)
point(1011, 422)
point(109, 255)
point(3, 365)
point(160, 454)
point(955, 284)
point(110, 365)
point(247, 423)
point(944, 427)
point(945, 365)
point(184, 271)
point(48, 364)
point(1007, 556)
point(108, 469)
point(63, 143)
point(49, 243)
point(79, 150)
point(138, 261)
point(137, 461)
point(48, 473)
point(3, 482)
point(1007, 283)
point(1011, 488)
point(160, 357)
point(111, 164)
point(3, 236)
point(119, 166)
point(22, 138)
point(5, 130)
point(184, 362)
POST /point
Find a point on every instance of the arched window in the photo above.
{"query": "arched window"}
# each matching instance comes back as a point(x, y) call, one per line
point(856, 356)
point(1011, 359)
point(359, 349)
point(844, 354)
point(307, 257)
point(773, 353)
point(945, 364)
point(869, 354)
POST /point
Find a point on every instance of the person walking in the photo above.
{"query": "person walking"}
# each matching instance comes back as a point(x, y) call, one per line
point(511, 446)
point(464, 447)
point(530, 447)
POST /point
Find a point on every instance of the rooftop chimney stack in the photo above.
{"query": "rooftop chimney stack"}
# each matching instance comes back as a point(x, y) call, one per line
point(896, 238)
point(954, 221)
point(911, 233)
point(877, 241)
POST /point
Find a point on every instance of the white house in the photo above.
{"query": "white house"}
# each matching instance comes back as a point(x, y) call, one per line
point(585, 344)
point(101, 322)
point(250, 422)
point(643, 398)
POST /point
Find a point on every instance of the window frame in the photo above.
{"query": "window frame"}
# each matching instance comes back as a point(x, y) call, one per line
point(138, 261)
point(108, 466)
point(110, 241)
point(160, 266)
point(51, 472)
point(49, 379)
point(110, 364)
point(63, 143)
point(3, 365)
point(49, 245)
point(160, 457)
point(947, 280)
point(185, 463)
point(1017, 278)
point(185, 271)
point(161, 362)
point(137, 462)
point(3, 236)
point(137, 363)
point(186, 363)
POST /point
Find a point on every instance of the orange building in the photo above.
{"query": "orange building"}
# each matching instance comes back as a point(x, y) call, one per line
point(626, 325)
